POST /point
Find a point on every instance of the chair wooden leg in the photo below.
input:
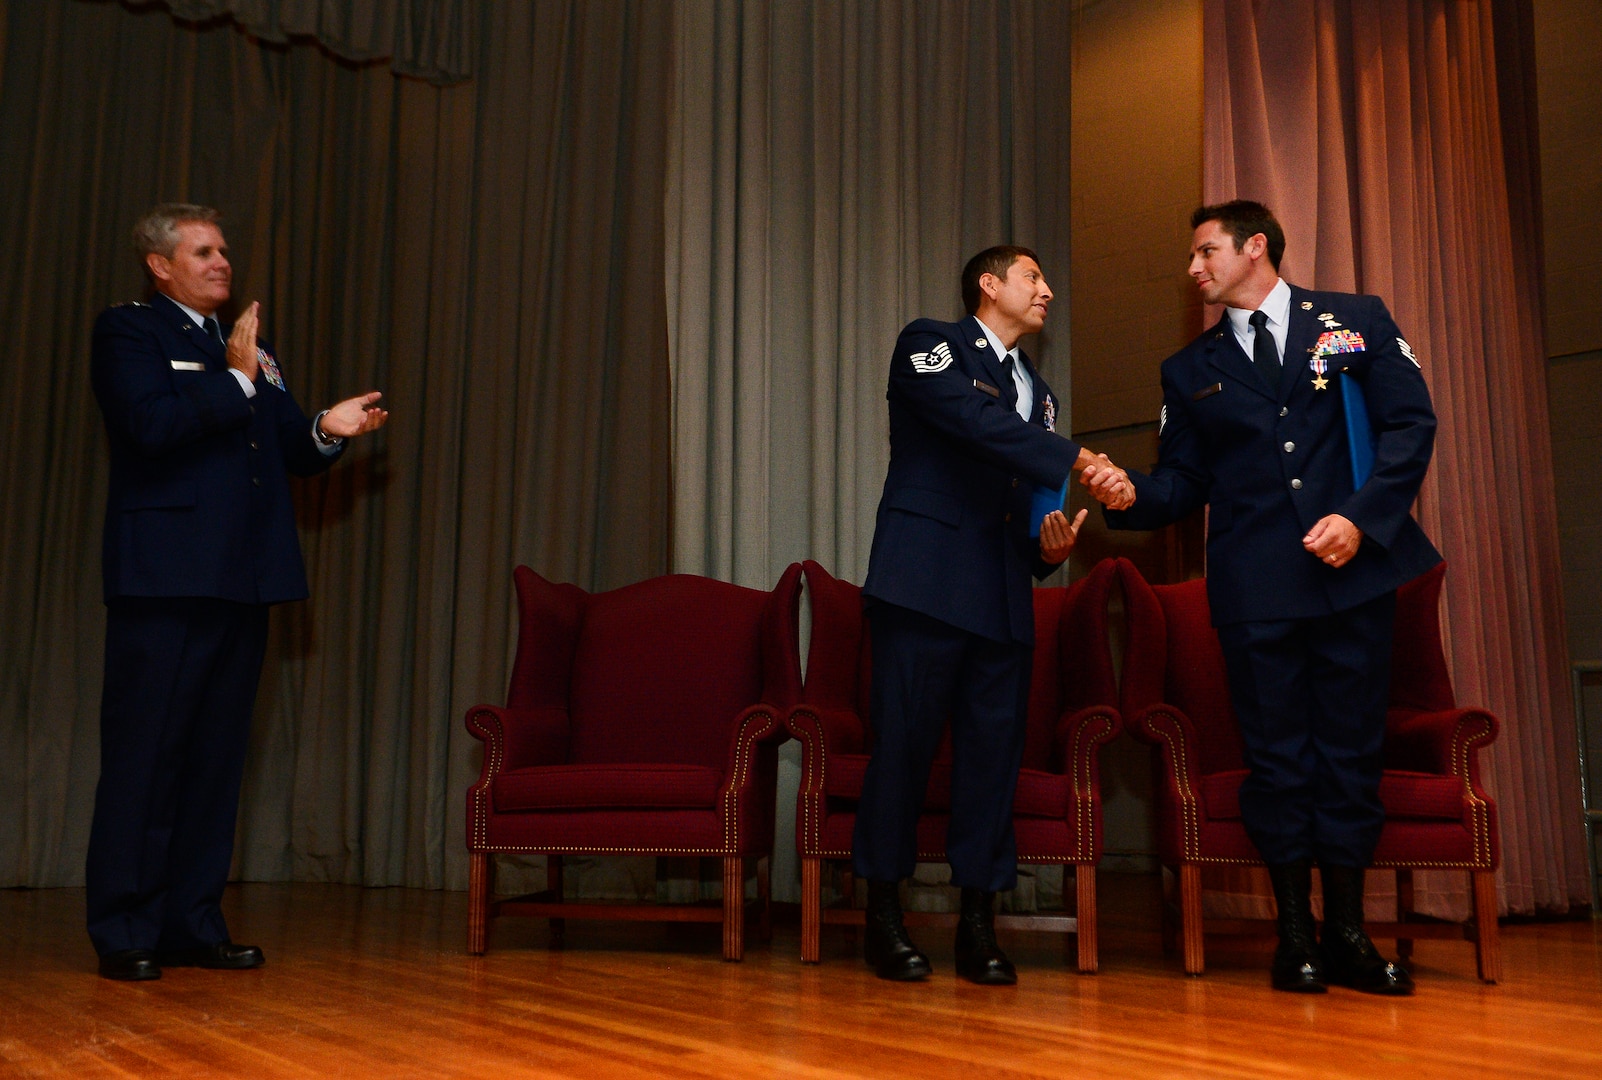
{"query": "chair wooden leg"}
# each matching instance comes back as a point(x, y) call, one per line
point(1167, 885)
point(1487, 935)
point(1190, 917)
point(1404, 911)
point(1085, 917)
point(765, 896)
point(733, 907)
point(480, 886)
point(553, 884)
point(811, 908)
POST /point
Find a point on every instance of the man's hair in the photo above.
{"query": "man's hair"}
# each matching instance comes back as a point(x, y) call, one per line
point(157, 232)
point(993, 260)
point(1244, 219)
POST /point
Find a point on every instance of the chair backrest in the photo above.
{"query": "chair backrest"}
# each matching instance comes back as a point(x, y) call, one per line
point(1072, 661)
point(656, 672)
point(1419, 677)
point(1171, 632)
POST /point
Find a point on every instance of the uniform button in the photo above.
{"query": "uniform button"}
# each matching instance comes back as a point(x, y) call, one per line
point(1007, 518)
point(1284, 411)
point(1290, 448)
point(1296, 485)
point(1015, 481)
point(257, 481)
point(254, 445)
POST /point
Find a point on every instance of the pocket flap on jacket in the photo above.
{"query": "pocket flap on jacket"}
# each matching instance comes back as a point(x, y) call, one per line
point(928, 503)
point(179, 495)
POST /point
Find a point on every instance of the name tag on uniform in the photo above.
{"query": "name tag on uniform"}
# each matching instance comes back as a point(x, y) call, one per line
point(1208, 391)
point(987, 388)
point(187, 365)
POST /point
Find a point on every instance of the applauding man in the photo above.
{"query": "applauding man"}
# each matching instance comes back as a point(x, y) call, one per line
point(199, 541)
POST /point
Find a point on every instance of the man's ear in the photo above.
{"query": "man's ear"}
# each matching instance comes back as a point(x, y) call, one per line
point(992, 288)
point(157, 266)
point(1257, 245)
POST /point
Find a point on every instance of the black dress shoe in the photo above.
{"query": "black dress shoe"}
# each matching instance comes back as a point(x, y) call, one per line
point(886, 945)
point(979, 958)
point(130, 965)
point(224, 955)
point(1297, 968)
point(1350, 958)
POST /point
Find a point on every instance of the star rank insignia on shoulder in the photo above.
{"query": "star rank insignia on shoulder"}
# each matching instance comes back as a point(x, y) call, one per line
point(131, 303)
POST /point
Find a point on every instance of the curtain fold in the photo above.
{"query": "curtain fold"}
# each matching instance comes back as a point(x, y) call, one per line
point(427, 39)
point(1396, 143)
point(462, 249)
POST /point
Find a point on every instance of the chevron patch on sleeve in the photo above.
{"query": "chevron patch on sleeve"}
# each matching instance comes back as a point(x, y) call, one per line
point(936, 359)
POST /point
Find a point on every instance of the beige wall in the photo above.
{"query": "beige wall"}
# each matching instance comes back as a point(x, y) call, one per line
point(1568, 40)
point(1136, 176)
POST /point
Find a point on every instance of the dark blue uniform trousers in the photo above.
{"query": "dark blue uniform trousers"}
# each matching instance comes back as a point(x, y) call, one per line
point(924, 671)
point(1311, 696)
point(180, 684)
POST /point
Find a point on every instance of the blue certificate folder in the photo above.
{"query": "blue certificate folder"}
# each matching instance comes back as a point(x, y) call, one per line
point(1044, 501)
point(1360, 435)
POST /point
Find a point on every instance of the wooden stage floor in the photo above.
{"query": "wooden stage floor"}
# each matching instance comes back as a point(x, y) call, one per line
point(375, 982)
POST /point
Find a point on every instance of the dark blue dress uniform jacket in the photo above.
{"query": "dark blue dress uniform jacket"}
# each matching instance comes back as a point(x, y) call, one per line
point(952, 535)
point(198, 503)
point(1271, 461)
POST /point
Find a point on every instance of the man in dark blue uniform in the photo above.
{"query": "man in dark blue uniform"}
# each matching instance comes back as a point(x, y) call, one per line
point(1303, 562)
point(199, 541)
point(949, 602)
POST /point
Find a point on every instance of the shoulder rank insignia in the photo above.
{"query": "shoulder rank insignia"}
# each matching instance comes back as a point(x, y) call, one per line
point(131, 303)
point(1407, 351)
point(936, 359)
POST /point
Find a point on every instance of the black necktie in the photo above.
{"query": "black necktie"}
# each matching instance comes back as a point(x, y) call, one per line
point(1009, 384)
point(1264, 354)
point(214, 331)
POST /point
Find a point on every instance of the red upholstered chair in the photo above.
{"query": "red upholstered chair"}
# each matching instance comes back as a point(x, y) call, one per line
point(1437, 815)
point(641, 721)
point(1057, 811)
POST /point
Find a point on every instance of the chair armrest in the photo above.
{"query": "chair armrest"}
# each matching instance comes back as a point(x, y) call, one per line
point(1170, 730)
point(1078, 738)
point(756, 727)
point(831, 730)
point(1443, 742)
point(518, 738)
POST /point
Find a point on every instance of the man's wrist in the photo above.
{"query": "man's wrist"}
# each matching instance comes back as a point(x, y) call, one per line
point(322, 438)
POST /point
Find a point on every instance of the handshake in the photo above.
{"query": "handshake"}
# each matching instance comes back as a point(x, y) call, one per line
point(1106, 482)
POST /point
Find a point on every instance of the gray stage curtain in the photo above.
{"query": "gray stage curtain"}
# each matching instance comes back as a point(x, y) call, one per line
point(427, 39)
point(463, 249)
point(1396, 141)
point(831, 168)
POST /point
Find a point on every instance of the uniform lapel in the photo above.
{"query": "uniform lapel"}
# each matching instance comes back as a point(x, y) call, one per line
point(194, 334)
point(1224, 353)
point(1300, 337)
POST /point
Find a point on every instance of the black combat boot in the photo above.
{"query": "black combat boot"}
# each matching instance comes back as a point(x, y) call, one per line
point(1350, 958)
point(886, 945)
point(979, 958)
point(1297, 966)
